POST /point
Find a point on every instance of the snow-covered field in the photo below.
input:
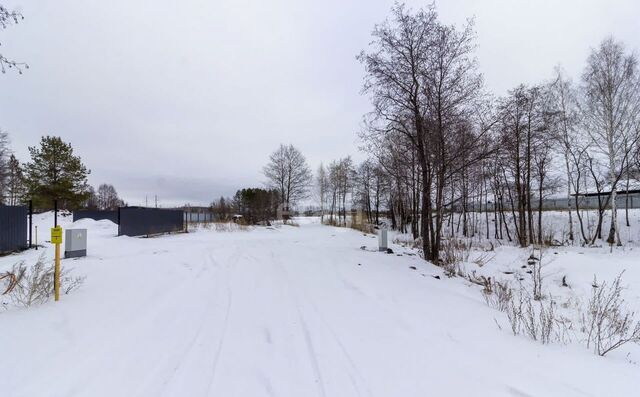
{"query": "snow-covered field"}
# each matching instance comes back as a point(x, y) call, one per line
point(295, 311)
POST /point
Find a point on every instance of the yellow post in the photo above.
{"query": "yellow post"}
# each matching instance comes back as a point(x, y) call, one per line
point(56, 284)
point(56, 238)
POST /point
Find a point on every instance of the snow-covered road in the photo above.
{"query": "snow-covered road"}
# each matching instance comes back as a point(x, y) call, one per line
point(288, 311)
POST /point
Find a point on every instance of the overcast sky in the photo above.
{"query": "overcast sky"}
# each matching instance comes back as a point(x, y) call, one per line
point(186, 99)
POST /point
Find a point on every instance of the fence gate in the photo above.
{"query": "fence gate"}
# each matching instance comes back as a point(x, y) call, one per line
point(13, 228)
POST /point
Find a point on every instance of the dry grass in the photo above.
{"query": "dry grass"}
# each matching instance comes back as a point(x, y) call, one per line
point(33, 285)
point(607, 322)
point(367, 228)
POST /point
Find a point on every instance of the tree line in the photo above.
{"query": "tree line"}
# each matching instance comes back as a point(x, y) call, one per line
point(440, 142)
point(54, 172)
point(444, 152)
point(288, 178)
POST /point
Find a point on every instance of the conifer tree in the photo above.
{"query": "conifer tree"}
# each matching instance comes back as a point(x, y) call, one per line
point(55, 173)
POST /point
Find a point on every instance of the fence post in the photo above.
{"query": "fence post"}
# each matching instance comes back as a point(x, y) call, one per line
point(30, 223)
point(118, 221)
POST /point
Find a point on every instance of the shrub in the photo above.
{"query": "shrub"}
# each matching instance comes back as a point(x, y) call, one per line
point(454, 252)
point(528, 314)
point(330, 221)
point(34, 284)
point(536, 319)
point(367, 228)
point(497, 295)
point(608, 323)
point(536, 275)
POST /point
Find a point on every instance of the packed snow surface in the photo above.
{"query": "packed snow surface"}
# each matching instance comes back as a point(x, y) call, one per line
point(288, 311)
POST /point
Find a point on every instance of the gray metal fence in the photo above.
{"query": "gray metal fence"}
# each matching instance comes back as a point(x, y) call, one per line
point(139, 221)
point(560, 204)
point(13, 228)
point(96, 215)
point(199, 217)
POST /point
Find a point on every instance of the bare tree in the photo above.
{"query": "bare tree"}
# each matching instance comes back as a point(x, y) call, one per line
point(8, 18)
point(611, 111)
point(398, 176)
point(369, 187)
point(563, 103)
point(108, 197)
point(322, 187)
point(92, 201)
point(288, 172)
point(423, 82)
point(523, 134)
point(222, 208)
point(5, 152)
point(341, 179)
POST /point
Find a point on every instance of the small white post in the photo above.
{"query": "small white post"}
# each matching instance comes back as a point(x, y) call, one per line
point(382, 240)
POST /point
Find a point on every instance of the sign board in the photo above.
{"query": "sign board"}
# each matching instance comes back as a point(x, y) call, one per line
point(56, 235)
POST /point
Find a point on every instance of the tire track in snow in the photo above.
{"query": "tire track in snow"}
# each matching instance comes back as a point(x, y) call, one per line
point(344, 351)
point(311, 352)
point(206, 321)
point(129, 332)
point(216, 358)
point(357, 380)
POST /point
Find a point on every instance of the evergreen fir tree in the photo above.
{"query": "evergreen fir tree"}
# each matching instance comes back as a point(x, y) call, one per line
point(15, 182)
point(54, 173)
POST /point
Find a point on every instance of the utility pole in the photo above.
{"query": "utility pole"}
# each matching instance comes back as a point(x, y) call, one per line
point(156, 201)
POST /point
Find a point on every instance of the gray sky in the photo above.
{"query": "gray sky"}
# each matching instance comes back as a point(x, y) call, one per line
point(186, 99)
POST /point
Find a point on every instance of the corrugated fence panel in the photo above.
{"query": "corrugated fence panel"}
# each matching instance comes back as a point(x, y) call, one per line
point(136, 221)
point(562, 204)
point(96, 215)
point(13, 228)
point(197, 217)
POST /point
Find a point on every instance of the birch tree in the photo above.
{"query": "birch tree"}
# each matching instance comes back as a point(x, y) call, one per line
point(563, 103)
point(322, 189)
point(611, 111)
